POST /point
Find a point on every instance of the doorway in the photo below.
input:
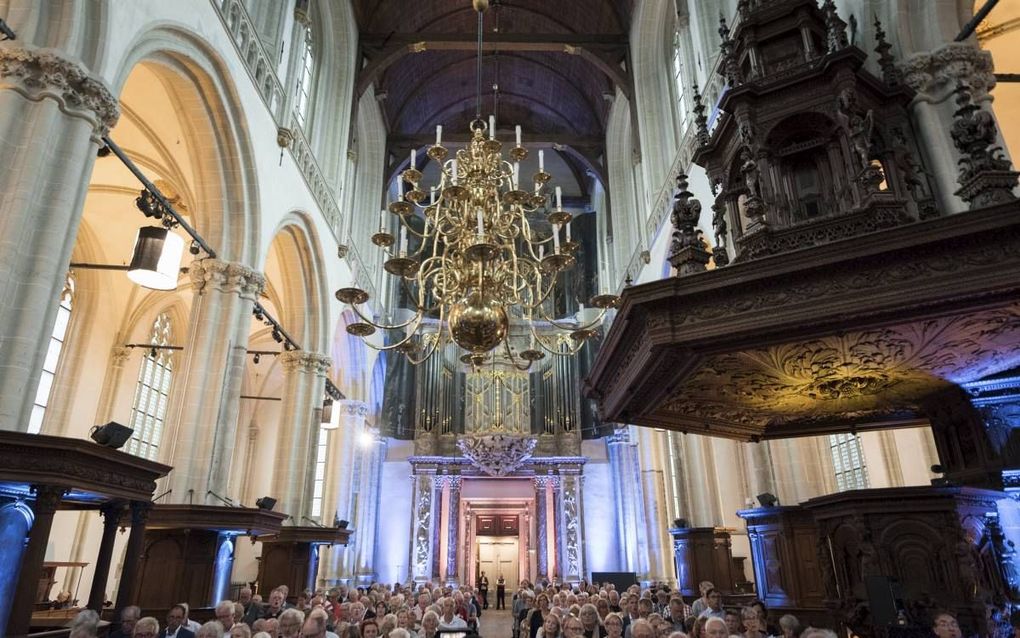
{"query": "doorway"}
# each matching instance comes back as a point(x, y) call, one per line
point(499, 555)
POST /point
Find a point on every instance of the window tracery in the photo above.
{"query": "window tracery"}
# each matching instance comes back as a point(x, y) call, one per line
point(152, 391)
point(56, 347)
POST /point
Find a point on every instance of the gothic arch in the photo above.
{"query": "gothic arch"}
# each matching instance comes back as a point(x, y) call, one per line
point(300, 281)
point(226, 194)
point(652, 35)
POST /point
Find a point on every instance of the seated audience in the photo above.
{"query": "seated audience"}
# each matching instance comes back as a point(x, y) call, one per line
point(290, 623)
point(211, 629)
point(128, 617)
point(147, 627)
point(175, 624)
point(85, 624)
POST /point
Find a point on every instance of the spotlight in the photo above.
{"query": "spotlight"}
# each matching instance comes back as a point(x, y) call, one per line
point(266, 503)
point(680, 523)
point(340, 524)
point(326, 421)
point(194, 248)
point(277, 337)
point(768, 500)
point(156, 260)
point(152, 353)
point(257, 358)
point(104, 151)
point(112, 435)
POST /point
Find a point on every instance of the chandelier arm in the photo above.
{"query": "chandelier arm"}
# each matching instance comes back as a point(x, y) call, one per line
point(579, 326)
point(513, 360)
point(432, 349)
point(380, 326)
point(394, 346)
point(569, 353)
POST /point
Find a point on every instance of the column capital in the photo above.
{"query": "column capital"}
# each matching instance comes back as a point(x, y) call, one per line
point(47, 498)
point(226, 276)
point(119, 355)
point(38, 73)
point(935, 74)
point(140, 512)
point(351, 407)
point(542, 481)
point(306, 362)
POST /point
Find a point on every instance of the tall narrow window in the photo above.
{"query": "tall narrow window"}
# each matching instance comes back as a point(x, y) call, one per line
point(848, 462)
point(674, 473)
point(49, 371)
point(320, 472)
point(678, 80)
point(152, 392)
point(306, 73)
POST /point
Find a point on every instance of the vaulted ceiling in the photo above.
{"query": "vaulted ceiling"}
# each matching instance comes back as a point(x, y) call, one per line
point(556, 66)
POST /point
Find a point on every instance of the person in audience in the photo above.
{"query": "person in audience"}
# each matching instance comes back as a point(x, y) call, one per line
point(369, 628)
point(641, 628)
point(211, 629)
point(613, 597)
point(715, 627)
point(238, 612)
point(128, 617)
point(698, 628)
point(175, 624)
point(322, 616)
point(734, 622)
point(188, 622)
point(701, 604)
point(387, 623)
point(715, 608)
point(790, 626)
point(589, 616)
point(614, 625)
point(85, 624)
point(240, 630)
point(225, 614)
point(944, 625)
point(815, 632)
point(550, 628)
point(405, 620)
point(147, 627)
point(290, 623)
point(314, 626)
point(602, 605)
point(262, 634)
point(400, 633)
point(277, 603)
point(572, 627)
point(244, 597)
point(753, 627)
point(450, 619)
point(429, 625)
point(424, 600)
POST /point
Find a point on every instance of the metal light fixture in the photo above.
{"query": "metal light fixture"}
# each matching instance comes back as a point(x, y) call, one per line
point(156, 260)
point(478, 264)
point(112, 435)
point(326, 421)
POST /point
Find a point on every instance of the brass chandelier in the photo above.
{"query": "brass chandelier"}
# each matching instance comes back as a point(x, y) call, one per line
point(478, 262)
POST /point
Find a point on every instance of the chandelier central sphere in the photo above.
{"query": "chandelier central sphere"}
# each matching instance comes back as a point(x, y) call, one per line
point(478, 322)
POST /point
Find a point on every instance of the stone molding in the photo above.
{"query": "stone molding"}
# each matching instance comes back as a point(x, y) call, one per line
point(351, 408)
point(119, 355)
point(37, 74)
point(306, 362)
point(934, 75)
point(226, 276)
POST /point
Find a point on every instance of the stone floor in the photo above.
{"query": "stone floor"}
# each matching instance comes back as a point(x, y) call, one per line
point(495, 624)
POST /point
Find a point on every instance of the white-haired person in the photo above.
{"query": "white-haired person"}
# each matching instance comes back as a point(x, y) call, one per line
point(290, 623)
point(716, 628)
point(85, 624)
point(224, 613)
point(147, 627)
point(211, 629)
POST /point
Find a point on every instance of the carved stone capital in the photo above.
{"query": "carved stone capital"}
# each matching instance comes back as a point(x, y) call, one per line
point(306, 362)
point(226, 276)
point(38, 74)
point(118, 355)
point(351, 408)
point(935, 74)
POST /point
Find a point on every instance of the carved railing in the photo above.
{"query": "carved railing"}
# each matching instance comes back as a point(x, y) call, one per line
point(261, 69)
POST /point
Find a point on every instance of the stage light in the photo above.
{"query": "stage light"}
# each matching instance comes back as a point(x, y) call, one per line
point(156, 261)
point(339, 523)
point(112, 435)
point(326, 421)
point(266, 503)
point(365, 439)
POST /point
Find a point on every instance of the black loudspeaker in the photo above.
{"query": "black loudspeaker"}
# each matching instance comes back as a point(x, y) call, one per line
point(266, 503)
point(768, 500)
point(884, 599)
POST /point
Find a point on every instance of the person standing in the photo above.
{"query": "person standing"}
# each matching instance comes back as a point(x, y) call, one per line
point(483, 589)
point(501, 592)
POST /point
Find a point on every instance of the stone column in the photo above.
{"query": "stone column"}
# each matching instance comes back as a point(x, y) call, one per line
point(343, 444)
point(52, 116)
point(421, 528)
point(934, 75)
point(541, 525)
point(616, 444)
point(205, 413)
point(132, 554)
point(452, 531)
point(573, 534)
point(557, 528)
point(304, 378)
point(111, 513)
point(437, 525)
point(47, 498)
point(367, 524)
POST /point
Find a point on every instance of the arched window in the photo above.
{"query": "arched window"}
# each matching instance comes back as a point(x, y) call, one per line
point(319, 484)
point(305, 75)
point(49, 371)
point(848, 462)
point(148, 412)
point(678, 79)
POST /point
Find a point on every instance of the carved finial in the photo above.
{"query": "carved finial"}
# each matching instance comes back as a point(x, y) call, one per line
point(729, 68)
point(719, 254)
point(700, 120)
point(835, 28)
point(687, 251)
point(985, 175)
point(724, 31)
point(890, 72)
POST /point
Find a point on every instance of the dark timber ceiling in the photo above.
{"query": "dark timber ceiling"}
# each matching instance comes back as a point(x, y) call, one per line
point(554, 61)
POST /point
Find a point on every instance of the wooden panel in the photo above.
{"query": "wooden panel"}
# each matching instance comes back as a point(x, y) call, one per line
point(176, 566)
point(702, 553)
point(497, 525)
point(284, 563)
